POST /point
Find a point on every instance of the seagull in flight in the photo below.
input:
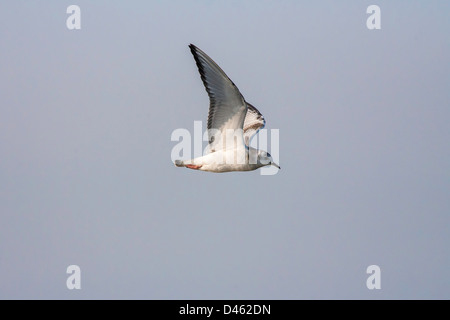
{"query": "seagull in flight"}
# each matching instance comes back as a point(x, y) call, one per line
point(232, 122)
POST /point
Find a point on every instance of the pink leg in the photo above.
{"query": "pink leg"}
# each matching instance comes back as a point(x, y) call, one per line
point(193, 166)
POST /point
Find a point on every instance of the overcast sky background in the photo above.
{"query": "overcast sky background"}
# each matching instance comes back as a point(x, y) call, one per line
point(86, 176)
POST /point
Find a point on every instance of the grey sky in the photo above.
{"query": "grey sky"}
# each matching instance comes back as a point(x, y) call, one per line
point(86, 176)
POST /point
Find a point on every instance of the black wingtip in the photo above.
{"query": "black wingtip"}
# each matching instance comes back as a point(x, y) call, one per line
point(193, 49)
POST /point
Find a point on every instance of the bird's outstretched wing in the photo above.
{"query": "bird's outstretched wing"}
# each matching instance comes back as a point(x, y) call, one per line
point(227, 108)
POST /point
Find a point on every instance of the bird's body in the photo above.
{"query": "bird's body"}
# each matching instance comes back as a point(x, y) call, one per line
point(238, 160)
point(231, 123)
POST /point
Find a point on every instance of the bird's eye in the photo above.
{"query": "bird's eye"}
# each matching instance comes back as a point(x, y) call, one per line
point(268, 155)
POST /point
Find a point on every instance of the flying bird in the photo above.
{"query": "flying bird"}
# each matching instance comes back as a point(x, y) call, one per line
point(232, 122)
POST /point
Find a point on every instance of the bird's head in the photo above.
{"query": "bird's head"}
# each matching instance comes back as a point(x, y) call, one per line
point(265, 159)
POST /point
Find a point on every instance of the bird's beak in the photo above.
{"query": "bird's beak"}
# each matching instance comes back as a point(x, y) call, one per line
point(274, 164)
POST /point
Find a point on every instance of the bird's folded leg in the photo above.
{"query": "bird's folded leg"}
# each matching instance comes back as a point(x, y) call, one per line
point(193, 166)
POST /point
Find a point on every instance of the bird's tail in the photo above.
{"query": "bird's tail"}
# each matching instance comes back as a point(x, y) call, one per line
point(179, 163)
